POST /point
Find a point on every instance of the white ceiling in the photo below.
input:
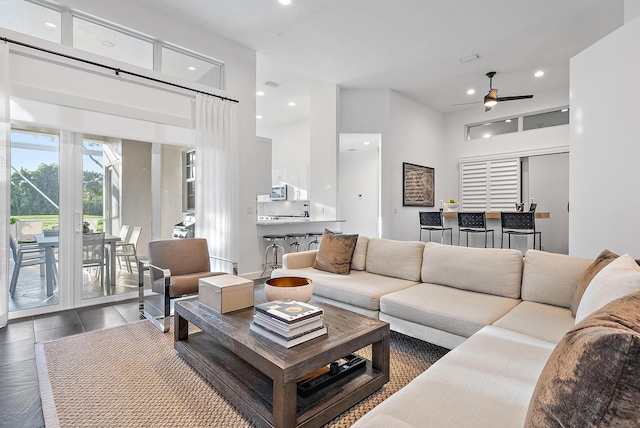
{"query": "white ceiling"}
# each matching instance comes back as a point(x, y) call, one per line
point(410, 46)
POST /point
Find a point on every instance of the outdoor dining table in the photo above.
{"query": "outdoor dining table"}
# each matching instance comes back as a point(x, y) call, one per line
point(49, 242)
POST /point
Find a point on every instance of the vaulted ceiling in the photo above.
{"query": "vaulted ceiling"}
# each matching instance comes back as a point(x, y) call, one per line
point(414, 47)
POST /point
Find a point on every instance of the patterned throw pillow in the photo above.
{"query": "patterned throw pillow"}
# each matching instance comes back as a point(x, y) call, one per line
point(335, 252)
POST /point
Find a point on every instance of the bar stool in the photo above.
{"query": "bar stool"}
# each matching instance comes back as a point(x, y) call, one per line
point(296, 241)
point(519, 223)
point(275, 248)
point(432, 221)
point(474, 222)
point(315, 241)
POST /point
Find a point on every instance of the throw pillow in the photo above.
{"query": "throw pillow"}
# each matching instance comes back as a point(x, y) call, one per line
point(603, 259)
point(359, 261)
point(335, 252)
point(591, 378)
point(617, 279)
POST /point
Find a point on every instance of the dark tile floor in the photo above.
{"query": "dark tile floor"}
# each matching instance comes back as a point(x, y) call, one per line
point(20, 404)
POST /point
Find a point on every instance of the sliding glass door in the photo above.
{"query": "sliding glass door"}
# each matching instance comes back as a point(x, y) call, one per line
point(35, 210)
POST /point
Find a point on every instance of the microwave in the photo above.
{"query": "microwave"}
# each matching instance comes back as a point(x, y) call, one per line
point(281, 192)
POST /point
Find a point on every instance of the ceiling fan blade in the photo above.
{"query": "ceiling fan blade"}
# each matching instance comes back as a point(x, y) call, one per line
point(487, 108)
point(464, 104)
point(517, 97)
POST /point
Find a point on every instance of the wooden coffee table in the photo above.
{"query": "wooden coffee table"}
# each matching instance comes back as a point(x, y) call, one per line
point(259, 376)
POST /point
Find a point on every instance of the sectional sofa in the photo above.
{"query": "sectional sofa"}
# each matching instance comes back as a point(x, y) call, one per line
point(500, 312)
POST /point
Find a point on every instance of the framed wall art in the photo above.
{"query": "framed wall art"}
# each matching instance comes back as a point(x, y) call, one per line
point(418, 185)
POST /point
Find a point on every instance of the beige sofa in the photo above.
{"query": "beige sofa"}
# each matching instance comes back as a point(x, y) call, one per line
point(444, 294)
point(500, 312)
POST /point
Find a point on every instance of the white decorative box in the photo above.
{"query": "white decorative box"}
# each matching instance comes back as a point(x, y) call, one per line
point(226, 293)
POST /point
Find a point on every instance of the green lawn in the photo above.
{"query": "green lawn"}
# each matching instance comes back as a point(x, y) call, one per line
point(50, 221)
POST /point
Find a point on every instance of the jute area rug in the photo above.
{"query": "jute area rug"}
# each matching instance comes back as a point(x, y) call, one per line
point(131, 376)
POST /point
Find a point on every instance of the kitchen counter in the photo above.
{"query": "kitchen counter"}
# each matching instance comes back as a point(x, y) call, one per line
point(493, 214)
point(294, 220)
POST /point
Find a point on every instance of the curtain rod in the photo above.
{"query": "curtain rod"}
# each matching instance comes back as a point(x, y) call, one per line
point(116, 70)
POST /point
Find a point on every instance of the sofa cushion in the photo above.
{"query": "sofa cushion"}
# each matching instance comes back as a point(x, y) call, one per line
point(603, 259)
point(551, 278)
point(617, 279)
point(359, 260)
point(399, 259)
point(359, 288)
point(591, 378)
point(487, 270)
point(335, 252)
point(545, 322)
point(445, 308)
point(486, 382)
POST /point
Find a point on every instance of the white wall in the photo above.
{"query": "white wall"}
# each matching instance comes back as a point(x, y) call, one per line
point(323, 151)
point(290, 145)
point(411, 133)
point(604, 146)
point(416, 136)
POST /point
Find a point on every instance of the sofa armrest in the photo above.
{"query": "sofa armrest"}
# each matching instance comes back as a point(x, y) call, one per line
point(299, 260)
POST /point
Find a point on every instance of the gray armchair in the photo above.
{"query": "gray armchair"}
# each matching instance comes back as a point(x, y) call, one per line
point(175, 266)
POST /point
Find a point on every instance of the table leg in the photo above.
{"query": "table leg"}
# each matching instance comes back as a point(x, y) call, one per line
point(180, 327)
point(284, 403)
point(380, 359)
point(112, 262)
point(49, 261)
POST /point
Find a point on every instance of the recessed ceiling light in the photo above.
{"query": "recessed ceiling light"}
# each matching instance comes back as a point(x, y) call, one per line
point(258, 116)
point(539, 73)
point(107, 43)
point(291, 104)
point(508, 120)
point(285, 2)
point(486, 136)
point(50, 24)
point(471, 91)
point(366, 143)
point(191, 68)
point(486, 124)
point(564, 109)
point(260, 93)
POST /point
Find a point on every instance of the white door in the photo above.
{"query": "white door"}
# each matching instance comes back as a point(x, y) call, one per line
point(549, 187)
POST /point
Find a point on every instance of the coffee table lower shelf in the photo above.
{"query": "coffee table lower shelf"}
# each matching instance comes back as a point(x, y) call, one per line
point(252, 391)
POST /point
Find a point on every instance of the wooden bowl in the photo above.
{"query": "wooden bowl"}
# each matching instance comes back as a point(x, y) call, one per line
point(289, 287)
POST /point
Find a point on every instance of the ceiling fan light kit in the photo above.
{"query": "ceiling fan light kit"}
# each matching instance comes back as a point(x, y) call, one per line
point(491, 99)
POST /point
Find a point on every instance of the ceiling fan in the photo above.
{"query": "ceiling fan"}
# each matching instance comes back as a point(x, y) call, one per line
point(492, 98)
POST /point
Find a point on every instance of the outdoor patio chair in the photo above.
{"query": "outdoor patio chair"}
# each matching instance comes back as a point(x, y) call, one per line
point(25, 255)
point(127, 249)
point(94, 253)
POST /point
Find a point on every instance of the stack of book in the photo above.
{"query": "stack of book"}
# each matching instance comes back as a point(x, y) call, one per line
point(288, 322)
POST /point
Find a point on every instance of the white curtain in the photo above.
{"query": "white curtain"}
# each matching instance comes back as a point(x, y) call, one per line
point(217, 175)
point(5, 165)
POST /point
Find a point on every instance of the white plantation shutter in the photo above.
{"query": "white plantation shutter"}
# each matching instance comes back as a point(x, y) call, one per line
point(490, 185)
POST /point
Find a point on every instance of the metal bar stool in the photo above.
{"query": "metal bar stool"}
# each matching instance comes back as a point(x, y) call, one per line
point(519, 223)
point(296, 241)
point(474, 222)
point(315, 241)
point(275, 248)
point(432, 221)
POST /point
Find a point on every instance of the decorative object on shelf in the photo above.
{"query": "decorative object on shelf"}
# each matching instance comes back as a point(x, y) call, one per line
point(289, 287)
point(519, 207)
point(451, 205)
point(418, 185)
